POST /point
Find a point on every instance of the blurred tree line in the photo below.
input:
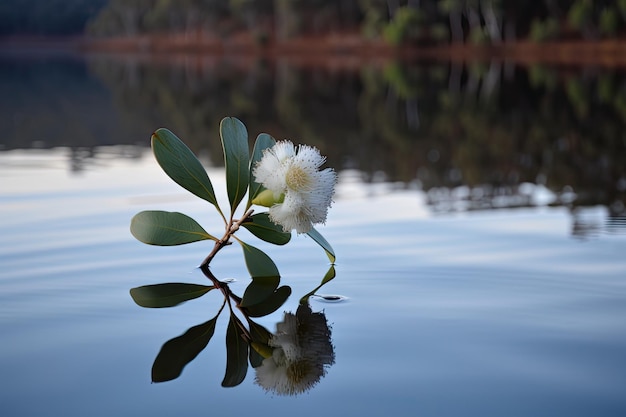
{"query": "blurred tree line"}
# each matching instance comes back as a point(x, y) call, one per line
point(397, 21)
point(489, 127)
point(481, 126)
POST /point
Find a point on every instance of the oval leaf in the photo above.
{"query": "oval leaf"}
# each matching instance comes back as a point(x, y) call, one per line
point(165, 228)
point(262, 227)
point(260, 340)
point(236, 355)
point(176, 353)
point(236, 158)
point(255, 358)
point(258, 263)
point(167, 295)
point(262, 142)
point(259, 289)
point(270, 304)
point(258, 333)
point(317, 237)
point(181, 165)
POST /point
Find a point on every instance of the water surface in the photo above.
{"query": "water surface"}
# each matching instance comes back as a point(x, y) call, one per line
point(513, 304)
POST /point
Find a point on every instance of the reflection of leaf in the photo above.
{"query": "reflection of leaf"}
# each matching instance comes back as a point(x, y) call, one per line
point(181, 165)
point(316, 236)
point(167, 295)
point(262, 227)
point(270, 304)
point(236, 355)
point(330, 274)
point(260, 339)
point(259, 289)
point(263, 141)
point(178, 352)
point(166, 228)
point(265, 275)
point(259, 333)
point(236, 158)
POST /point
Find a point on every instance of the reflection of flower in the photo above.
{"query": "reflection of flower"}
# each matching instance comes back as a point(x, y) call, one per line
point(302, 350)
point(301, 191)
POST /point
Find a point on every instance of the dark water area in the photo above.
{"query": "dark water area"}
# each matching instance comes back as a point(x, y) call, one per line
point(479, 227)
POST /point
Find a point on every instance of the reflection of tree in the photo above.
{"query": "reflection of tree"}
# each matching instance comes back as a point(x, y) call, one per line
point(476, 125)
point(52, 101)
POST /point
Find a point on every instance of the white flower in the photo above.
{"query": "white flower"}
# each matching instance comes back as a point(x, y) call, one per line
point(302, 350)
point(302, 192)
point(270, 170)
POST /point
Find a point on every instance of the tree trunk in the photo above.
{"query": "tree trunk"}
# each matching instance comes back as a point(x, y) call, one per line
point(456, 27)
point(492, 21)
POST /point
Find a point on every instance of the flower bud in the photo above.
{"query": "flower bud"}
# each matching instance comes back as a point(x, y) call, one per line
point(267, 198)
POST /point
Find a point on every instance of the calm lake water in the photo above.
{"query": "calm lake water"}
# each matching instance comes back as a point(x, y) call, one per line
point(479, 227)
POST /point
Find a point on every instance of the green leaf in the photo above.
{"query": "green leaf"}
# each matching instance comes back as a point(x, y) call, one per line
point(316, 236)
point(265, 275)
point(270, 304)
point(176, 353)
point(330, 274)
point(260, 340)
point(167, 295)
point(262, 227)
point(259, 289)
point(263, 141)
point(259, 333)
point(236, 158)
point(166, 228)
point(236, 354)
point(255, 358)
point(258, 263)
point(181, 165)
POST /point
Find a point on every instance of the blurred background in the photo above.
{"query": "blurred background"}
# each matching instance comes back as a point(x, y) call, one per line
point(484, 95)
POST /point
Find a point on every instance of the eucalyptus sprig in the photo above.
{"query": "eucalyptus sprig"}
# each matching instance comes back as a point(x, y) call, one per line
point(263, 295)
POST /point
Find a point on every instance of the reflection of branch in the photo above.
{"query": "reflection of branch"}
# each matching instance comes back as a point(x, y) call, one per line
point(223, 287)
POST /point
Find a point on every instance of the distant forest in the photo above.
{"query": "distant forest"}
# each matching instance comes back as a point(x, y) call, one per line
point(397, 21)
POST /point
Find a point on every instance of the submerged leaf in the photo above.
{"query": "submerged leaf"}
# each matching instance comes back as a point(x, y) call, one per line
point(236, 158)
point(181, 165)
point(176, 353)
point(167, 295)
point(166, 228)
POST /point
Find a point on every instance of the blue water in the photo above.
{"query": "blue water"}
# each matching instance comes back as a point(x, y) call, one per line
point(493, 313)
